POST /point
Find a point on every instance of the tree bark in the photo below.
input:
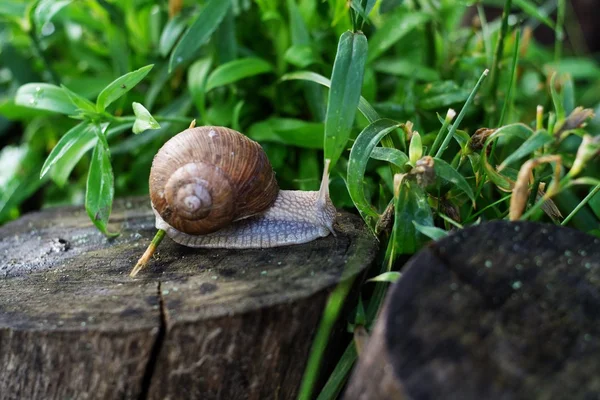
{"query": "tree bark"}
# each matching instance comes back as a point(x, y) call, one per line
point(210, 324)
point(500, 311)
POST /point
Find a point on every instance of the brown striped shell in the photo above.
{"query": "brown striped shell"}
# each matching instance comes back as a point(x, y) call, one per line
point(205, 177)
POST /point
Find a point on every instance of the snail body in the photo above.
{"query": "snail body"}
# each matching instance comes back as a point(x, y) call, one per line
point(213, 187)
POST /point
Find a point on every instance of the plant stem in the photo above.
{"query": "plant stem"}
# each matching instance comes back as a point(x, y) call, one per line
point(436, 144)
point(495, 74)
point(583, 202)
point(560, 22)
point(508, 99)
point(148, 253)
point(42, 57)
point(461, 115)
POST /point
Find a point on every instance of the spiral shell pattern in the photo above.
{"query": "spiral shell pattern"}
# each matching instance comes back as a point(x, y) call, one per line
point(204, 178)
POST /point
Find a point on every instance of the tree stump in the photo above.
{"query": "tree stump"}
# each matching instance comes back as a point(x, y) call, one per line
point(504, 310)
point(196, 323)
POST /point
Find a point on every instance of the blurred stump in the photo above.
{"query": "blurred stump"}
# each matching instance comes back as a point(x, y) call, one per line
point(196, 323)
point(497, 311)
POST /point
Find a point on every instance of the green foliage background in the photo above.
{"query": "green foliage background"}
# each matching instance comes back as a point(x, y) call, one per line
point(90, 89)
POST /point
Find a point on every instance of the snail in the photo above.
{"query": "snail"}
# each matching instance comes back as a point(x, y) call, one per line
point(213, 187)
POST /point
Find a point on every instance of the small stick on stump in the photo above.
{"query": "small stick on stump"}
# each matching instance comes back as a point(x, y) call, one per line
point(499, 311)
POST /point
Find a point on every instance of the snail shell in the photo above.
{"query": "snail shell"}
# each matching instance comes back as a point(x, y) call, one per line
point(204, 178)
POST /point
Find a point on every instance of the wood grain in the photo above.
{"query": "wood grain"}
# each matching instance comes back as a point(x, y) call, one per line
point(500, 311)
point(210, 324)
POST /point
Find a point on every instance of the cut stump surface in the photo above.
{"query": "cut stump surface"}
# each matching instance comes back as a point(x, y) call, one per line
point(195, 323)
point(499, 311)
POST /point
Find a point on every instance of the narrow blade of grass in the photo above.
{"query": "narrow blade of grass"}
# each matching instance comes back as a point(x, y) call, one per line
point(202, 28)
point(344, 96)
point(359, 156)
point(363, 105)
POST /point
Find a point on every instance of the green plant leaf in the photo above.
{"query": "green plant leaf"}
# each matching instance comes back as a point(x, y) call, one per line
point(197, 74)
point(533, 10)
point(533, 143)
point(12, 8)
point(432, 232)
point(289, 131)
point(340, 374)
point(300, 56)
point(202, 28)
point(410, 203)
point(446, 172)
point(236, 70)
point(557, 100)
point(394, 28)
point(390, 276)
point(80, 133)
point(120, 86)
point(143, 119)
point(406, 69)
point(44, 96)
point(171, 33)
point(357, 164)
point(100, 184)
point(391, 155)
point(63, 165)
point(344, 96)
point(363, 105)
point(79, 101)
point(46, 10)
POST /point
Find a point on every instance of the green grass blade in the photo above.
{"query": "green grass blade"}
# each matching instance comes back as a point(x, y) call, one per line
point(120, 86)
point(236, 70)
point(100, 185)
point(411, 206)
point(533, 143)
point(202, 28)
point(445, 171)
point(461, 115)
point(357, 164)
point(344, 95)
point(171, 32)
point(559, 107)
point(391, 155)
point(45, 11)
point(363, 105)
point(432, 232)
point(509, 98)
point(395, 27)
point(534, 11)
point(340, 374)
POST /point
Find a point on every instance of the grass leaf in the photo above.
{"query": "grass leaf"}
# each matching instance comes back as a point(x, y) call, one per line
point(432, 232)
point(46, 10)
point(533, 143)
point(410, 203)
point(363, 105)
point(391, 155)
point(395, 27)
point(344, 96)
point(236, 70)
point(357, 164)
point(390, 276)
point(202, 28)
point(446, 172)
